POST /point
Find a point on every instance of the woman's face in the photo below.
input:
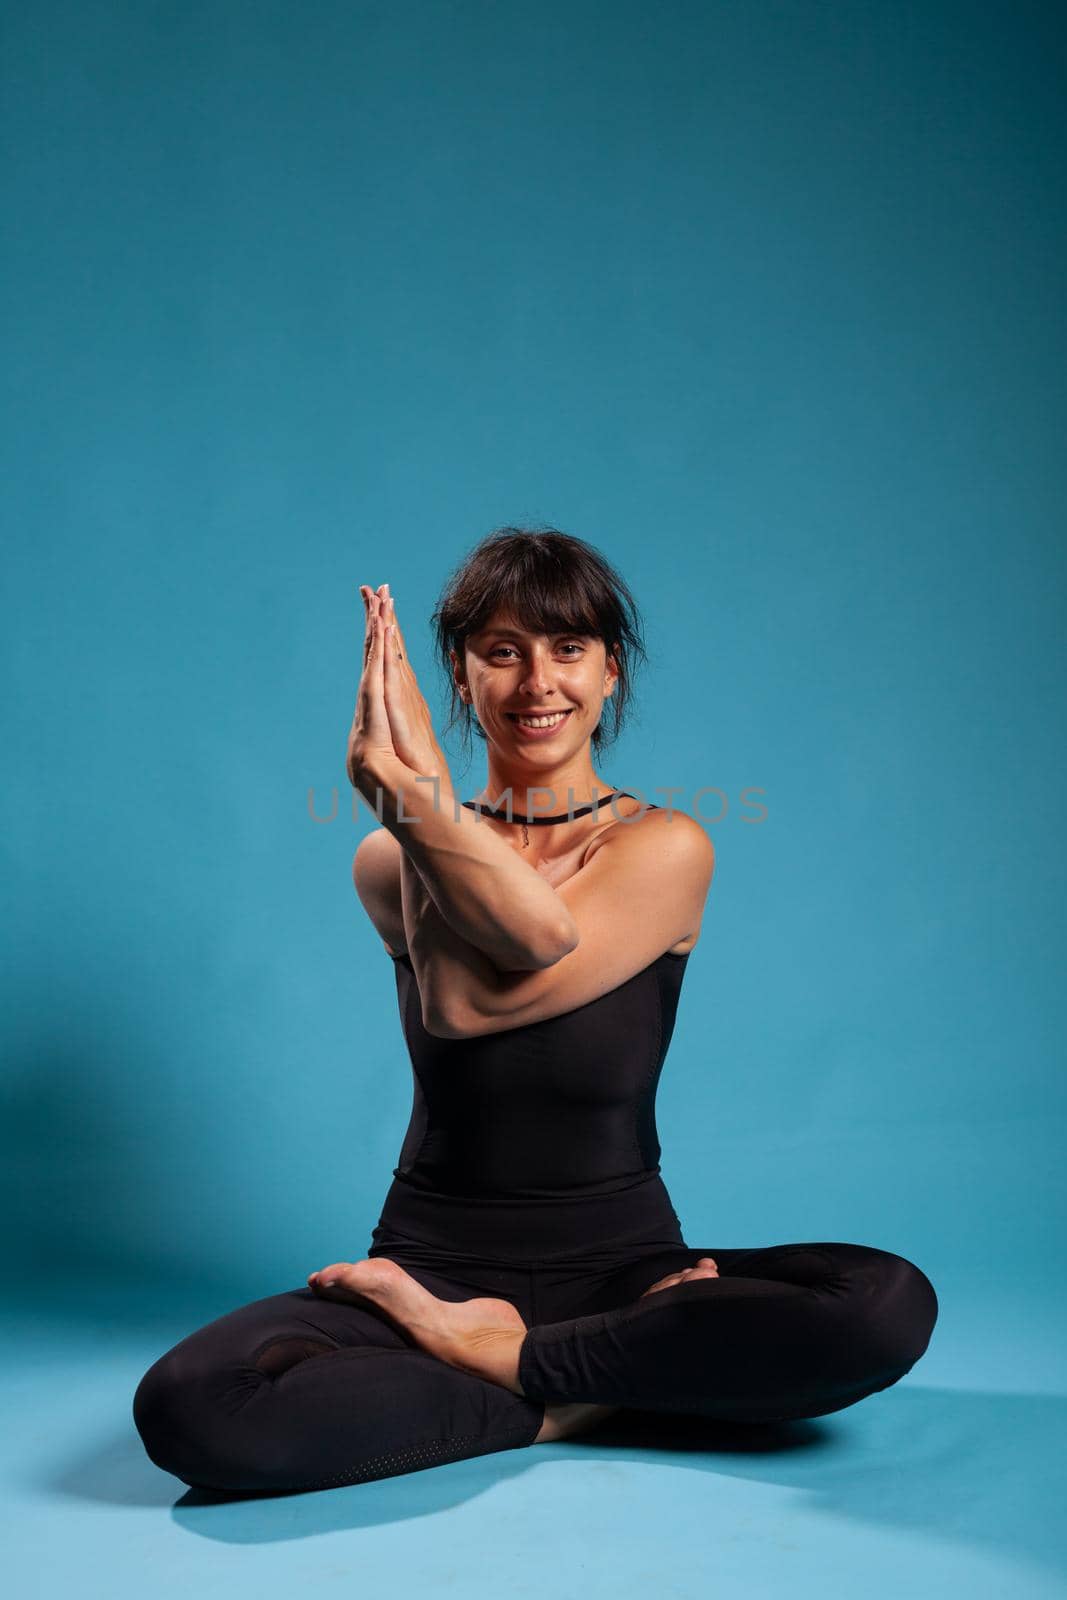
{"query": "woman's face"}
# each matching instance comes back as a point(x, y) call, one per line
point(509, 672)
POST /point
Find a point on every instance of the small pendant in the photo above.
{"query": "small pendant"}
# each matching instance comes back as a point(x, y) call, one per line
point(525, 836)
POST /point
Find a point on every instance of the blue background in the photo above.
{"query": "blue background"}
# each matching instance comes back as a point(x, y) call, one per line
point(762, 300)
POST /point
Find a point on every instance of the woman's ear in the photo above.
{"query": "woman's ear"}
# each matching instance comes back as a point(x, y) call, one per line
point(457, 678)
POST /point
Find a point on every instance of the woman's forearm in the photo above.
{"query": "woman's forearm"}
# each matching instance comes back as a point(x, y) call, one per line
point(450, 971)
point(482, 888)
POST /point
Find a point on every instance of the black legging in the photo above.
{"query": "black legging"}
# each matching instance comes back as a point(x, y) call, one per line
point(297, 1392)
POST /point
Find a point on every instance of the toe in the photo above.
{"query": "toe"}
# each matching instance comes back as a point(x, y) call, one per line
point(328, 1275)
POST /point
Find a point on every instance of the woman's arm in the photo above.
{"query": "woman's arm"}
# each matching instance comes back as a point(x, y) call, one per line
point(446, 964)
point(643, 891)
point(481, 888)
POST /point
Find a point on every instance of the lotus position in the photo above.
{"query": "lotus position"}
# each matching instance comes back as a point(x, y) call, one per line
point(528, 1274)
point(481, 1335)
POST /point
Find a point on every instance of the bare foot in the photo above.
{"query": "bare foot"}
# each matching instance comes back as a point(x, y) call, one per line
point(705, 1268)
point(480, 1336)
point(561, 1421)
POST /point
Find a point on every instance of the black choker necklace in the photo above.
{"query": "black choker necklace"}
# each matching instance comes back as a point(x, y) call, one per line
point(540, 822)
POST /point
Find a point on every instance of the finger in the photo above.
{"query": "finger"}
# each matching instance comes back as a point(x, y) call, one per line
point(372, 681)
point(394, 687)
point(368, 616)
point(398, 637)
point(381, 600)
point(377, 655)
point(394, 645)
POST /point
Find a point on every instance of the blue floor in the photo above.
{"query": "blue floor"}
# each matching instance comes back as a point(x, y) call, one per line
point(951, 1483)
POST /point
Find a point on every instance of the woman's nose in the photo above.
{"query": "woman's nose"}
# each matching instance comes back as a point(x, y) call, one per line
point(538, 686)
point(537, 677)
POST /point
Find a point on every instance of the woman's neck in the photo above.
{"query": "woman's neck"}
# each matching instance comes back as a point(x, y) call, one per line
point(544, 794)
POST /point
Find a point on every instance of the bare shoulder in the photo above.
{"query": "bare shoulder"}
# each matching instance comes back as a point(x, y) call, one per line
point(673, 836)
point(639, 897)
point(376, 869)
point(668, 848)
point(377, 847)
point(670, 844)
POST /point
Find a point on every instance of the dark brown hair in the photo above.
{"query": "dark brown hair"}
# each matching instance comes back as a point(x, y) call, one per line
point(548, 582)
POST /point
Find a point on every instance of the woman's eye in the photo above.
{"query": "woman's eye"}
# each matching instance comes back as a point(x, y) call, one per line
point(506, 647)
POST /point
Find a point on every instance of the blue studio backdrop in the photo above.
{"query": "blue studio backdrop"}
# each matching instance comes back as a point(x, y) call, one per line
point(764, 302)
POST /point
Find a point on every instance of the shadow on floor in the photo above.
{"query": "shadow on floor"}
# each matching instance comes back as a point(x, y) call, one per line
point(984, 1469)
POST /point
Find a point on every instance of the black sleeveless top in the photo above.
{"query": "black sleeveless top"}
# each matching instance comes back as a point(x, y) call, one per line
point(563, 1107)
point(537, 1143)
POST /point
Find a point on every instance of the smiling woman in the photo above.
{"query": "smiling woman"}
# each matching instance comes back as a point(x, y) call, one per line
point(518, 588)
point(528, 1274)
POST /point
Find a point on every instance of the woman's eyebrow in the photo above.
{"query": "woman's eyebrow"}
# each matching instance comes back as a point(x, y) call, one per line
point(521, 633)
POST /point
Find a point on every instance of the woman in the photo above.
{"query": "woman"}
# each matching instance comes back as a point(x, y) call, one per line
point(528, 1274)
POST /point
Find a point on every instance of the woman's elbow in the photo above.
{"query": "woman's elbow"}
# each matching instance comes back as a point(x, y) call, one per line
point(538, 952)
point(569, 939)
point(551, 947)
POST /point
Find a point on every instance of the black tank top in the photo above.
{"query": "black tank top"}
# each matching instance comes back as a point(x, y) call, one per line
point(556, 1109)
point(539, 1143)
point(561, 1108)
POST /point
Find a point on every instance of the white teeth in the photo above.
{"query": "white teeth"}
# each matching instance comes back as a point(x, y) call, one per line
point(541, 722)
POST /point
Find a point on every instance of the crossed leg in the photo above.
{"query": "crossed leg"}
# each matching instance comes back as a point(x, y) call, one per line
point(563, 1421)
point(777, 1333)
point(482, 1335)
point(315, 1388)
point(783, 1332)
point(294, 1392)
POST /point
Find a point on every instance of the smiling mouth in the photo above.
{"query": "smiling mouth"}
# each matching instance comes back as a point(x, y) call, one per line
point(520, 716)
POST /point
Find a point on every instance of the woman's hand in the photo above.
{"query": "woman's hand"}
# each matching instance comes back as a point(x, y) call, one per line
point(391, 718)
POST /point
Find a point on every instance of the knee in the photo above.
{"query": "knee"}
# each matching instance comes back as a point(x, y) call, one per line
point(158, 1412)
point(899, 1310)
point(171, 1412)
